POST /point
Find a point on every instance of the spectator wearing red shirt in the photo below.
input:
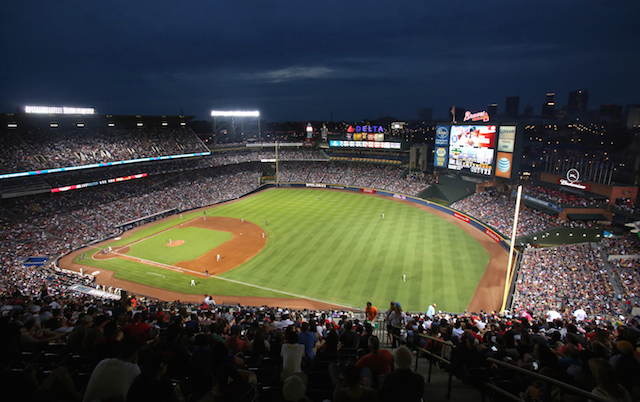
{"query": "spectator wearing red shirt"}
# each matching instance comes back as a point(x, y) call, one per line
point(137, 328)
point(235, 343)
point(378, 361)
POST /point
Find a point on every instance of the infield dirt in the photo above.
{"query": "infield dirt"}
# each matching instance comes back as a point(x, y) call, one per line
point(242, 247)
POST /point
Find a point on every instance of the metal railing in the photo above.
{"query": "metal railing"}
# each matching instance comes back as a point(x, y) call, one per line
point(534, 375)
point(432, 355)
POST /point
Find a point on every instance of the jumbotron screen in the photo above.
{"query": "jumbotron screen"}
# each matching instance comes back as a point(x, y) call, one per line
point(472, 148)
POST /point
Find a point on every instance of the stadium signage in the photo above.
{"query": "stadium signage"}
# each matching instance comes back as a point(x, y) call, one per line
point(478, 116)
point(573, 175)
point(368, 190)
point(337, 187)
point(98, 183)
point(492, 234)
point(366, 129)
point(103, 164)
point(507, 138)
point(545, 204)
point(442, 135)
point(579, 186)
point(440, 159)
point(316, 185)
point(399, 196)
point(461, 217)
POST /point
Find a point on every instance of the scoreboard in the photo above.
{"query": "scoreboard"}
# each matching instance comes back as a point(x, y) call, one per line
point(472, 148)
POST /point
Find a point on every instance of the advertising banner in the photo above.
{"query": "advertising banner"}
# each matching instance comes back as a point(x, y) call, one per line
point(506, 138)
point(461, 217)
point(442, 135)
point(441, 156)
point(504, 164)
point(492, 234)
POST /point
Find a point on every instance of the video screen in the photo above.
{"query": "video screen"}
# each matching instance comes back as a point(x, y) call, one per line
point(471, 148)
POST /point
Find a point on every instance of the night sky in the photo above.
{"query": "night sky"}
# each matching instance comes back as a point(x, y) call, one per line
point(313, 60)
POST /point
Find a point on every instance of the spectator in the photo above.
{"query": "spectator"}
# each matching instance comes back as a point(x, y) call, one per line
point(112, 378)
point(402, 384)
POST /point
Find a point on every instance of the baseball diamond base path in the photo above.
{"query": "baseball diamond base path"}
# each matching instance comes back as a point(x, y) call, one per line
point(245, 243)
point(234, 252)
point(487, 296)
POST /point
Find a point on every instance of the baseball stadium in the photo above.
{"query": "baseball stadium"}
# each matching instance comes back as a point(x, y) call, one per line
point(140, 217)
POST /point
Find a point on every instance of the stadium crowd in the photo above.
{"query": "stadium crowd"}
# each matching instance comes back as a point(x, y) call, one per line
point(38, 149)
point(169, 351)
point(369, 175)
point(565, 278)
point(64, 346)
point(565, 199)
point(497, 210)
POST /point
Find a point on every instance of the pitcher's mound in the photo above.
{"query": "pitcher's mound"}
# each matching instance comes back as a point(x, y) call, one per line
point(175, 243)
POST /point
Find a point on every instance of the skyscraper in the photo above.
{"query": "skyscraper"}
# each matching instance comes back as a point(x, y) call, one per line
point(548, 108)
point(512, 107)
point(492, 110)
point(578, 101)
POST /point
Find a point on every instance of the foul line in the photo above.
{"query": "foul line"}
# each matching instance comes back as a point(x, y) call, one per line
point(200, 274)
point(282, 292)
point(182, 270)
point(153, 273)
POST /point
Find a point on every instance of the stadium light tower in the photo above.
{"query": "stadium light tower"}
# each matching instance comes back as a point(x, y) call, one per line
point(233, 114)
point(507, 284)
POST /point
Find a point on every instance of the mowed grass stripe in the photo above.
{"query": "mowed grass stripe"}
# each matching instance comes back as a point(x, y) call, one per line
point(338, 248)
point(166, 279)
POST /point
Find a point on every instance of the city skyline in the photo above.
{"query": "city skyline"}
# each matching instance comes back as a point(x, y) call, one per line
point(327, 61)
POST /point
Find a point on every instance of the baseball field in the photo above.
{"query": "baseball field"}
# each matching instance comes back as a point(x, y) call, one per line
point(337, 247)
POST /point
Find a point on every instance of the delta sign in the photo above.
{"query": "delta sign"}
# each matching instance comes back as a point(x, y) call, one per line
point(365, 133)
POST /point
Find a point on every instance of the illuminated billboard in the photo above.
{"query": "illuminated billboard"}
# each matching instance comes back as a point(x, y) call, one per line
point(440, 159)
point(506, 138)
point(471, 148)
point(365, 144)
point(504, 164)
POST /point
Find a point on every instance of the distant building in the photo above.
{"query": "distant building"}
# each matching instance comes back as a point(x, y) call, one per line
point(512, 107)
point(425, 114)
point(528, 111)
point(578, 101)
point(548, 107)
point(492, 110)
point(611, 113)
point(632, 116)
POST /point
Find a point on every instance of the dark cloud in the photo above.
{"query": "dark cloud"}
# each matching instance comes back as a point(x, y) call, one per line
point(308, 60)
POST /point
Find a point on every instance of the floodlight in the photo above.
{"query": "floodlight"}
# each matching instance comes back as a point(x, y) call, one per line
point(111, 124)
point(182, 123)
point(59, 110)
point(165, 124)
point(235, 113)
point(139, 124)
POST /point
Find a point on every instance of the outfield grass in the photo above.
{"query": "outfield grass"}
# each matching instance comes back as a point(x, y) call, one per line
point(335, 246)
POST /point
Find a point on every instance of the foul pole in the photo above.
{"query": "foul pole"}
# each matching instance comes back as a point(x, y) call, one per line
point(507, 284)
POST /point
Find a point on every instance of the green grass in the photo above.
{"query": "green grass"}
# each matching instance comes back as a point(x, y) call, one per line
point(335, 246)
point(197, 242)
